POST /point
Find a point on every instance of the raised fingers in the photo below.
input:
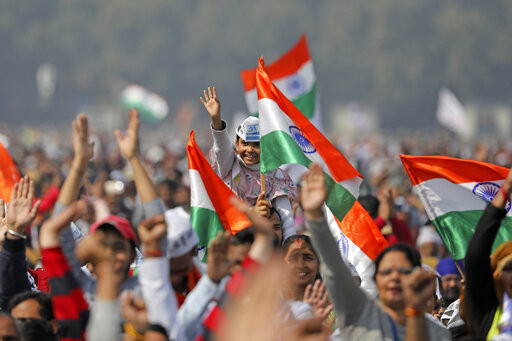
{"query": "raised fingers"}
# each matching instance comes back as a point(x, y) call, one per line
point(25, 187)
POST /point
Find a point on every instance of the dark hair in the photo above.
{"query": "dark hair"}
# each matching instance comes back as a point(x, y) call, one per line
point(370, 203)
point(412, 255)
point(109, 228)
point(44, 300)
point(158, 329)
point(36, 330)
point(273, 210)
point(173, 185)
point(295, 238)
point(245, 236)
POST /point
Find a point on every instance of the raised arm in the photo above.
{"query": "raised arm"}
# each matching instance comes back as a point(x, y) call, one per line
point(480, 291)
point(83, 152)
point(348, 299)
point(222, 150)
point(129, 148)
point(69, 305)
point(209, 286)
point(418, 289)
point(13, 222)
point(105, 320)
point(154, 277)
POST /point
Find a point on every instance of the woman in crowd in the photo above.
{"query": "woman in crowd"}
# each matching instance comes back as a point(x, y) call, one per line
point(403, 287)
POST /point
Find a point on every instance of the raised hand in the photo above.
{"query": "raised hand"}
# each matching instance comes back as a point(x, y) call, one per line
point(260, 224)
point(313, 192)
point(218, 265)
point(387, 204)
point(49, 234)
point(93, 250)
point(129, 143)
point(261, 248)
point(212, 105)
point(316, 296)
point(500, 200)
point(134, 311)
point(21, 211)
point(151, 232)
point(419, 288)
point(83, 149)
point(262, 206)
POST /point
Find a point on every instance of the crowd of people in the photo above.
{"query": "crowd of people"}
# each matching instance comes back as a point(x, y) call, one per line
point(97, 243)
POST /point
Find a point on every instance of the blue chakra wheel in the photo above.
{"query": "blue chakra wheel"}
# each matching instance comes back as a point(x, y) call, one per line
point(488, 191)
point(343, 244)
point(301, 140)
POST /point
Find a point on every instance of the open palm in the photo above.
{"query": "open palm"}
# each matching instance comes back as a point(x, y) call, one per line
point(129, 143)
point(313, 191)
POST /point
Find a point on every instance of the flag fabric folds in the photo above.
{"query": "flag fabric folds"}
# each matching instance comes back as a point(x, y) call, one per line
point(288, 137)
point(294, 75)
point(9, 174)
point(454, 193)
point(210, 210)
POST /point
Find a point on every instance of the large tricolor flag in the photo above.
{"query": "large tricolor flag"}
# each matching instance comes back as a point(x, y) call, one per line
point(210, 210)
point(9, 174)
point(288, 137)
point(454, 193)
point(294, 75)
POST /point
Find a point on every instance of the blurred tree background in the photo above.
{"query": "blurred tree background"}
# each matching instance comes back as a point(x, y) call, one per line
point(391, 54)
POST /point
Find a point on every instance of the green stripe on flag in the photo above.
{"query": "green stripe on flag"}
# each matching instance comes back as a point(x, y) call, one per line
point(457, 228)
point(306, 102)
point(339, 200)
point(279, 148)
point(206, 224)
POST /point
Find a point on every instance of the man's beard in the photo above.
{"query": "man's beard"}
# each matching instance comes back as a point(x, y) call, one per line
point(450, 295)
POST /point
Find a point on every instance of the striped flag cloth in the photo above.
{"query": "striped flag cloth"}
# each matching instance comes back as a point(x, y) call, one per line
point(210, 210)
point(454, 193)
point(152, 107)
point(288, 137)
point(9, 174)
point(294, 75)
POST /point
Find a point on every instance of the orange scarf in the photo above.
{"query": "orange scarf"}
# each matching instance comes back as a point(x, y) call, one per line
point(193, 277)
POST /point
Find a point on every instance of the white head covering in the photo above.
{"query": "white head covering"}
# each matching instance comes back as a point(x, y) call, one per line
point(249, 129)
point(428, 235)
point(181, 238)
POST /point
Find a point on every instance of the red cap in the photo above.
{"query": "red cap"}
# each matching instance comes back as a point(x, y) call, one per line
point(121, 224)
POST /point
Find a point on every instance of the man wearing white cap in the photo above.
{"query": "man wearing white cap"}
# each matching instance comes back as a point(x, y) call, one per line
point(181, 249)
point(240, 168)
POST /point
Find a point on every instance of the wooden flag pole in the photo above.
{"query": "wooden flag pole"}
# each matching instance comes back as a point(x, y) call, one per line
point(262, 179)
point(460, 270)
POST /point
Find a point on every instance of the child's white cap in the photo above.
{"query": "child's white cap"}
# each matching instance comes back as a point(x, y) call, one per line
point(249, 129)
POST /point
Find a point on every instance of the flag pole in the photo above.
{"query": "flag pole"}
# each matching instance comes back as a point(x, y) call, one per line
point(262, 179)
point(460, 270)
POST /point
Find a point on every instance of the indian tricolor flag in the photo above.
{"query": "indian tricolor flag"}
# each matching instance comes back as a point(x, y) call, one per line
point(294, 75)
point(288, 137)
point(210, 210)
point(454, 193)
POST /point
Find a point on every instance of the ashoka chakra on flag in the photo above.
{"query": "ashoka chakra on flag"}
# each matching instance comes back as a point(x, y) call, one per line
point(488, 191)
point(301, 140)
